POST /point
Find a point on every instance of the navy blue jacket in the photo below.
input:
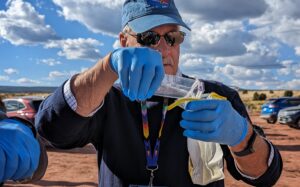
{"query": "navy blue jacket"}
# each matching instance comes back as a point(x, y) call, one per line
point(116, 132)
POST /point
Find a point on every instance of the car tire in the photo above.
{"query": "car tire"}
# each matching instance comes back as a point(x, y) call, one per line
point(271, 121)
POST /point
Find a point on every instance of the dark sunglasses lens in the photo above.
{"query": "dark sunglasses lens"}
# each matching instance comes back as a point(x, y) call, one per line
point(174, 38)
point(149, 38)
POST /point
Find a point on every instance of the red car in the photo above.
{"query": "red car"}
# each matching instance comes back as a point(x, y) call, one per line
point(24, 107)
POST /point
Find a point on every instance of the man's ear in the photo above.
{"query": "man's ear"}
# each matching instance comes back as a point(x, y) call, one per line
point(122, 39)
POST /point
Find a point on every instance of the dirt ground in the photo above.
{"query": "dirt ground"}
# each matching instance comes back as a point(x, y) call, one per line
point(78, 167)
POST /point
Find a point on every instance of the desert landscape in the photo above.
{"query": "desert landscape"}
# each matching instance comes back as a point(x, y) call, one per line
point(78, 167)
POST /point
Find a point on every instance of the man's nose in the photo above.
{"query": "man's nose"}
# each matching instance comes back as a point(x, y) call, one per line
point(163, 47)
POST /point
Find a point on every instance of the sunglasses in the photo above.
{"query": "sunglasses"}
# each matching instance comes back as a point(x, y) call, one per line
point(151, 38)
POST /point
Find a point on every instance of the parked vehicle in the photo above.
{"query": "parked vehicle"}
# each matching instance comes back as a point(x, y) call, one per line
point(24, 107)
point(270, 109)
point(290, 116)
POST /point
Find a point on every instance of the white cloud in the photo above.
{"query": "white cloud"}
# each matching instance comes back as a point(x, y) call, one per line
point(82, 69)
point(21, 24)
point(219, 39)
point(4, 78)
point(258, 56)
point(74, 49)
point(195, 64)
point(297, 73)
point(220, 10)
point(49, 62)
point(286, 8)
point(280, 22)
point(258, 84)
point(251, 61)
point(11, 71)
point(94, 14)
point(24, 80)
point(285, 71)
point(291, 69)
point(244, 74)
point(99, 16)
point(297, 49)
point(56, 74)
point(293, 84)
point(205, 68)
point(116, 44)
point(288, 31)
point(268, 84)
point(63, 74)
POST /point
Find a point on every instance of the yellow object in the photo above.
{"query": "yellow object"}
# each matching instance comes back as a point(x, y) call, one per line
point(212, 95)
point(180, 101)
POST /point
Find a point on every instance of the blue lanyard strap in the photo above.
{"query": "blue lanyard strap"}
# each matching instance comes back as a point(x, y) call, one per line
point(152, 158)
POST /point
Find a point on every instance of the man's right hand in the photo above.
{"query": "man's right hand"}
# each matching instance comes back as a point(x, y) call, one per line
point(140, 71)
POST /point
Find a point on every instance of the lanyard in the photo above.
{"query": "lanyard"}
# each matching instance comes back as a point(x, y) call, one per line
point(152, 158)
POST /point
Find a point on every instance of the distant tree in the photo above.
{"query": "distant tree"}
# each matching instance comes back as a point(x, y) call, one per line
point(288, 93)
point(255, 96)
point(262, 97)
point(245, 91)
point(271, 92)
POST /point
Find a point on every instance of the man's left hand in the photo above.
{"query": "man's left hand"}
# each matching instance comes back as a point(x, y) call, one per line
point(19, 151)
point(214, 121)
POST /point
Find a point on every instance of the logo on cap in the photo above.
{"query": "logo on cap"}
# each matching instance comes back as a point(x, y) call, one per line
point(159, 3)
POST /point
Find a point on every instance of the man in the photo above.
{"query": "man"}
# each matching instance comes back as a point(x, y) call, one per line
point(22, 157)
point(138, 142)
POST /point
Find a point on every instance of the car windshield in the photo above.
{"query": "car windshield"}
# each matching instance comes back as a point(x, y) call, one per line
point(13, 105)
point(35, 104)
point(270, 101)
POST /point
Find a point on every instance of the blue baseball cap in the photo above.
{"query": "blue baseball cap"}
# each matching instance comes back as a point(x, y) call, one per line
point(143, 15)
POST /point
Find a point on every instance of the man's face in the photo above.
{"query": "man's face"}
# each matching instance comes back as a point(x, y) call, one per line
point(170, 54)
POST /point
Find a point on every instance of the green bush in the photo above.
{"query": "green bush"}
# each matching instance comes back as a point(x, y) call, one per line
point(259, 97)
point(255, 96)
point(271, 92)
point(262, 97)
point(245, 91)
point(288, 93)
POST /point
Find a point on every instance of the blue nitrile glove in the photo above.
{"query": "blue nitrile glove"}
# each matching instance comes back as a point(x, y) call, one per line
point(19, 151)
point(214, 121)
point(140, 71)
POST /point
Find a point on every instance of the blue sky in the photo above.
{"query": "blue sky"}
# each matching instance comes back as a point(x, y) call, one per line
point(249, 44)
